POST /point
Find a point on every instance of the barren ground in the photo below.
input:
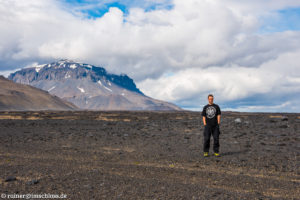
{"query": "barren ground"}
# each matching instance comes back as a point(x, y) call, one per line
point(149, 155)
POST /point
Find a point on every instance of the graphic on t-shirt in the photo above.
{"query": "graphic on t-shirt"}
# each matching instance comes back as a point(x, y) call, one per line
point(210, 111)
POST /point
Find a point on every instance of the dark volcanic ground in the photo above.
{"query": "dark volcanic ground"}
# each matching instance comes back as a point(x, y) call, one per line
point(149, 155)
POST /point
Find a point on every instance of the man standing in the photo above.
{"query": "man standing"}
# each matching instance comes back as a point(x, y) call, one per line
point(211, 119)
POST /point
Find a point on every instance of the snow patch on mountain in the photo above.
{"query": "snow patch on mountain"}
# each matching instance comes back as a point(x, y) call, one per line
point(73, 66)
point(107, 88)
point(39, 67)
point(81, 89)
point(67, 75)
point(51, 88)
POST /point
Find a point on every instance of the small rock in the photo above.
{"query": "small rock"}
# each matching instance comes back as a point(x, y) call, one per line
point(125, 135)
point(238, 120)
point(32, 182)
point(88, 186)
point(278, 119)
point(90, 135)
point(283, 126)
point(10, 178)
point(281, 144)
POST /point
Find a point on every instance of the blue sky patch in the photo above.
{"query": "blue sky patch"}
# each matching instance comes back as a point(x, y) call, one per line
point(281, 20)
point(96, 9)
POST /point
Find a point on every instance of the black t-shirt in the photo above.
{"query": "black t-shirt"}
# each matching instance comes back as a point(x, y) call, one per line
point(210, 113)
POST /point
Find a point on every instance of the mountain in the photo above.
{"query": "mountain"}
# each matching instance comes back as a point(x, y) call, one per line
point(14, 96)
point(89, 87)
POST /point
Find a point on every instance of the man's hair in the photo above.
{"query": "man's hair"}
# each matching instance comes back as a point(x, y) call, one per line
point(210, 95)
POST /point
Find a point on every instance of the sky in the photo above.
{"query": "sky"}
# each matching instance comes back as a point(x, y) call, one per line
point(246, 53)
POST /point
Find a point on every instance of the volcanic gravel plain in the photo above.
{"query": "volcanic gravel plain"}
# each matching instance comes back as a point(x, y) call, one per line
point(149, 155)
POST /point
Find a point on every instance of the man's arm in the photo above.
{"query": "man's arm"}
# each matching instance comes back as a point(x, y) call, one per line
point(219, 114)
point(203, 116)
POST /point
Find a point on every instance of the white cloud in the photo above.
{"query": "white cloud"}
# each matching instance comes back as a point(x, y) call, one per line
point(271, 81)
point(199, 42)
point(265, 108)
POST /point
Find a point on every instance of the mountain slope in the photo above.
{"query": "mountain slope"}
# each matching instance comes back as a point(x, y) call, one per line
point(14, 96)
point(89, 87)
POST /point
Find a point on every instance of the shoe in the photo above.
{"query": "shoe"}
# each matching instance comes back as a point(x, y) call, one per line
point(217, 154)
point(205, 154)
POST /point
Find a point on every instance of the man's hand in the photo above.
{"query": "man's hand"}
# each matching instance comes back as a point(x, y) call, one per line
point(204, 121)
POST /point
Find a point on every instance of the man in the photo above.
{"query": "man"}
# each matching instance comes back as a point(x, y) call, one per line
point(211, 119)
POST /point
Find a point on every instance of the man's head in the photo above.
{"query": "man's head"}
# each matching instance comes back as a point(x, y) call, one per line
point(210, 98)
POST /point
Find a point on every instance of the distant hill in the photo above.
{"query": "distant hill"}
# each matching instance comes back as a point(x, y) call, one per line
point(14, 96)
point(89, 87)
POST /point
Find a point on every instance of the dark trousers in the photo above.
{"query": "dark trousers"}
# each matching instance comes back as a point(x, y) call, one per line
point(215, 132)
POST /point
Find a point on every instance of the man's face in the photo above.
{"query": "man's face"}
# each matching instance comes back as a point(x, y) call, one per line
point(210, 100)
